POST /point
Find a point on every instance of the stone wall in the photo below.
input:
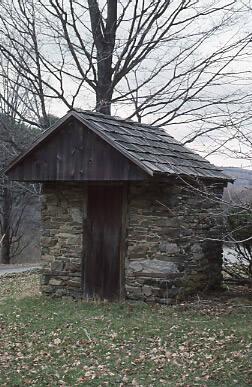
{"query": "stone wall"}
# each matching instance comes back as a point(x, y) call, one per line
point(169, 254)
point(63, 240)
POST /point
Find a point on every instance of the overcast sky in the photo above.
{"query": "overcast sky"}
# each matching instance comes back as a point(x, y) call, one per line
point(227, 27)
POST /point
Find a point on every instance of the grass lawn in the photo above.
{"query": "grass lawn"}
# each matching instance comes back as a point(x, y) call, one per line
point(45, 342)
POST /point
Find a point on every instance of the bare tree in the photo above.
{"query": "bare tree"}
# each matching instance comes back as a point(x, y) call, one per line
point(169, 56)
point(14, 197)
point(238, 230)
point(11, 217)
point(14, 137)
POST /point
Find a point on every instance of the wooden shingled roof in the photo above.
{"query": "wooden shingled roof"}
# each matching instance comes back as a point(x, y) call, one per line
point(152, 147)
point(149, 147)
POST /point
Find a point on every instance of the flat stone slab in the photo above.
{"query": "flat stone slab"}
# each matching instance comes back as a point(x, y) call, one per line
point(152, 266)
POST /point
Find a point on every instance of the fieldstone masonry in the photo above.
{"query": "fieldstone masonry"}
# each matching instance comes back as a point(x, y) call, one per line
point(63, 238)
point(169, 248)
point(169, 254)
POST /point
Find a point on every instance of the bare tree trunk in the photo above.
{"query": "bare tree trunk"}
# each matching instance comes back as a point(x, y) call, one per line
point(6, 242)
point(104, 39)
point(103, 95)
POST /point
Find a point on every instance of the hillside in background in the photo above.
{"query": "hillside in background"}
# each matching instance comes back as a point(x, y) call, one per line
point(243, 176)
point(242, 187)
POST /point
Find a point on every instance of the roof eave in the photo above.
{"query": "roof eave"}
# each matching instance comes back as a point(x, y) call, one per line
point(224, 179)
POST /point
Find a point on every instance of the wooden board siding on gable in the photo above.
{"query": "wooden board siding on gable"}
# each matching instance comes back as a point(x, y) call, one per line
point(75, 153)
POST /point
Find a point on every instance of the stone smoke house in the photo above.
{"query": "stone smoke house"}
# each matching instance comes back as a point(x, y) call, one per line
point(127, 210)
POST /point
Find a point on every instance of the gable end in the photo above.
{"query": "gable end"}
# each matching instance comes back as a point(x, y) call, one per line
point(72, 152)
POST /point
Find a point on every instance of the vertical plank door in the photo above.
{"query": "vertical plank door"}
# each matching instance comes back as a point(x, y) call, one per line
point(104, 218)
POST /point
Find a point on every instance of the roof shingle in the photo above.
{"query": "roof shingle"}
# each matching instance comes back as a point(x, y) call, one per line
point(152, 147)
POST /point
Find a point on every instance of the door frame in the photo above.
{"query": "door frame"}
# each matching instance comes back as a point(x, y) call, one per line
point(123, 237)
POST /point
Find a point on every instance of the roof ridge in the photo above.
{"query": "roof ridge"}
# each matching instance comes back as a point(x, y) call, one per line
point(119, 119)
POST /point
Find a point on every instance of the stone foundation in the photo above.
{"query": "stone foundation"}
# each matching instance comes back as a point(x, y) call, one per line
point(168, 254)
